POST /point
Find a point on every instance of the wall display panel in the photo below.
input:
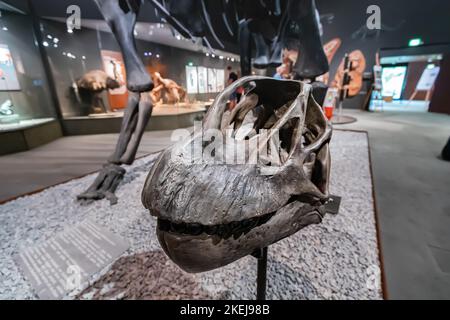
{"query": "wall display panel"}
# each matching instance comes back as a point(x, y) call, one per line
point(220, 80)
point(24, 91)
point(212, 80)
point(114, 67)
point(191, 80)
point(202, 73)
point(393, 80)
point(428, 78)
point(8, 74)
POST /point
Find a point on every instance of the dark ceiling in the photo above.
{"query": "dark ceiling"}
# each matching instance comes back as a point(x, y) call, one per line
point(407, 18)
point(89, 10)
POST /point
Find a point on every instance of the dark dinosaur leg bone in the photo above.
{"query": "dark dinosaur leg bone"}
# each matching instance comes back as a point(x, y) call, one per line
point(312, 61)
point(121, 17)
point(276, 58)
point(112, 173)
point(245, 48)
point(262, 52)
point(129, 122)
point(104, 185)
point(277, 52)
point(144, 114)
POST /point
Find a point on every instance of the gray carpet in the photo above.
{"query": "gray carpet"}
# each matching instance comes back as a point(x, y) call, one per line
point(412, 187)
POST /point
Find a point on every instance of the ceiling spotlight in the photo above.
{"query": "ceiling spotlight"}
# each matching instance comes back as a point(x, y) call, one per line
point(64, 53)
point(178, 37)
point(213, 55)
point(45, 43)
point(49, 37)
point(207, 54)
point(157, 56)
point(55, 40)
point(5, 29)
point(55, 45)
point(83, 57)
point(232, 59)
point(221, 57)
point(69, 31)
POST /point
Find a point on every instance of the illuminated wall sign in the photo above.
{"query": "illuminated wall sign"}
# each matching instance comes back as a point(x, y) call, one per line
point(415, 42)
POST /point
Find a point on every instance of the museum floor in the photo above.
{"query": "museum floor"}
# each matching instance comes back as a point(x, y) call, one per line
point(411, 189)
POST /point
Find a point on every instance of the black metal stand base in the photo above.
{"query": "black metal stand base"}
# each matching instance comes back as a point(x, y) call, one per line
point(261, 254)
point(261, 281)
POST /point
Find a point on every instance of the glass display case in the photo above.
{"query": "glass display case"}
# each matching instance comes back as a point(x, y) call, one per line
point(24, 93)
point(90, 78)
point(89, 74)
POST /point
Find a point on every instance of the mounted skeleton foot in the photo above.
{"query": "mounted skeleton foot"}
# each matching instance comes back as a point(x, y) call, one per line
point(121, 17)
point(137, 114)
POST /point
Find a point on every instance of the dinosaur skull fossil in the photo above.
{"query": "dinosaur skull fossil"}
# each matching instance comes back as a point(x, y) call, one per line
point(210, 212)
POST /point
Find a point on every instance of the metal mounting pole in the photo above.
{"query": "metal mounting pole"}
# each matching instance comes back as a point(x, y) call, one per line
point(261, 281)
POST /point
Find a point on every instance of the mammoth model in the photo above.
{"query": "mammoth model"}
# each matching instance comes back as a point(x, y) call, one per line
point(212, 212)
point(94, 83)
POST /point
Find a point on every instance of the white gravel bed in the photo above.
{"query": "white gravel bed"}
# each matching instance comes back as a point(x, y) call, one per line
point(337, 259)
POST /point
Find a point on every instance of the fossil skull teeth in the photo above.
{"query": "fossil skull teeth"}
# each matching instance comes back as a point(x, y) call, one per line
point(212, 213)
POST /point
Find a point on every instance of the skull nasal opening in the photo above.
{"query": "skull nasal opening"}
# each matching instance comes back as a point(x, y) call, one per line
point(269, 109)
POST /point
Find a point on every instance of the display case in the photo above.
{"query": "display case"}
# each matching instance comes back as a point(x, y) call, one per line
point(28, 114)
point(25, 99)
point(90, 79)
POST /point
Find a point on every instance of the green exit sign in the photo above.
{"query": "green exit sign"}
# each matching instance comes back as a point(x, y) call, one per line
point(415, 42)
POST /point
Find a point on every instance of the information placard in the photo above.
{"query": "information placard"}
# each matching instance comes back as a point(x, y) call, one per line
point(62, 264)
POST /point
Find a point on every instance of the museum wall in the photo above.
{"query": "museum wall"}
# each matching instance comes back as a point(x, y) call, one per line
point(31, 99)
point(401, 21)
point(86, 46)
point(440, 101)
